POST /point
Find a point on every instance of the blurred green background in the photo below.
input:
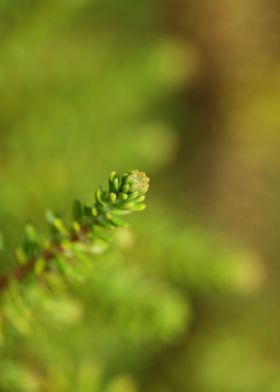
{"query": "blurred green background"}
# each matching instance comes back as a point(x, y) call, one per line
point(188, 91)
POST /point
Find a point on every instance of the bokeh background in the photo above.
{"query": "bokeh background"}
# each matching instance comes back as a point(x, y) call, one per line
point(188, 91)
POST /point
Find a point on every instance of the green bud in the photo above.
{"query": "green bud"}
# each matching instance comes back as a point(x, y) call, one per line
point(30, 241)
point(139, 207)
point(129, 180)
point(98, 196)
point(111, 181)
point(21, 256)
point(58, 224)
point(94, 211)
point(39, 266)
point(125, 188)
point(128, 206)
point(30, 233)
point(123, 196)
point(118, 222)
point(108, 215)
point(88, 210)
point(116, 184)
point(76, 227)
point(140, 199)
point(133, 195)
point(113, 197)
point(112, 176)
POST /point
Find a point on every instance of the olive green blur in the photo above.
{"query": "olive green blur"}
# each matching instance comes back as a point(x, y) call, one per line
point(186, 298)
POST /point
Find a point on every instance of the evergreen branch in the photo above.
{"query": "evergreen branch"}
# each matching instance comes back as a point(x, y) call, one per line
point(89, 231)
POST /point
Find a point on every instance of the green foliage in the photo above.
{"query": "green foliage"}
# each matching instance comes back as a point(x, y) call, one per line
point(87, 85)
point(65, 252)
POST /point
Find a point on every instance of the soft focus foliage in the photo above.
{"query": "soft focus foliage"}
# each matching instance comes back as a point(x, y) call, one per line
point(187, 298)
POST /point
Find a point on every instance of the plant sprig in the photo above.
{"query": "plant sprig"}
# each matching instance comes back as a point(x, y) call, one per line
point(89, 232)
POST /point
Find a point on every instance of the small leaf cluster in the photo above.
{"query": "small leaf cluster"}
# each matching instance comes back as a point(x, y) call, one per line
point(125, 194)
point(89, 232)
